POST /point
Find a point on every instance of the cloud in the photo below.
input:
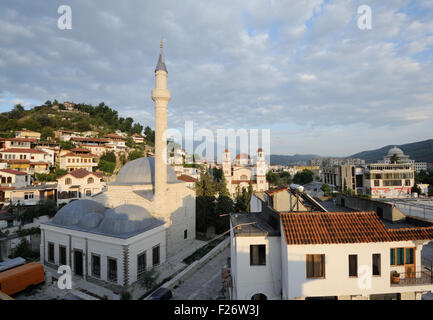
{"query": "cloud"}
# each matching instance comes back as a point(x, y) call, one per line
point(294, 67)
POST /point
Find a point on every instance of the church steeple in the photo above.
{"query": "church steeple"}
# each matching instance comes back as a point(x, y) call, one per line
point(161, 63)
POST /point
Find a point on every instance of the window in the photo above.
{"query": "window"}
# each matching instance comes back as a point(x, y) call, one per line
point(257, 255)
point(96, 266)
point(90, 180)
point(315, 265)
point(28, 195)
point(68, 181)
point(88, 193)
point(62, 255)
point(9, 180)
point(155, 255)
point(376, 264)
point(376, 183)
point(141, 264)
point(51, 252)
point(185, 234)
point(402, 256)
point(112, 270)
point(353, 265)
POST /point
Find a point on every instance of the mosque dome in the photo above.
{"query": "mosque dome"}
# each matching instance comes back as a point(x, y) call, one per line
point(141, 171)
point(394, 151)
point(72, 213)
point(91, 220)
point(127, 218)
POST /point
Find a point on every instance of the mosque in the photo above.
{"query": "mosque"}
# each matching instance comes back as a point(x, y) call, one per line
point(143, 218)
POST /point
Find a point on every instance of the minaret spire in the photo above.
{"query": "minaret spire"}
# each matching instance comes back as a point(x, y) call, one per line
point(161, 96)
point(161, 63)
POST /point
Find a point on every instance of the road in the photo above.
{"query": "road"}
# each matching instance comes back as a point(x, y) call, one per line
point(205, 283)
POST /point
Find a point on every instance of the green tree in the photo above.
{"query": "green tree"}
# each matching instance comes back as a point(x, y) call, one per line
point(106, 166)
point(135, 154)
point(47, 132)
point(272, 178)
point(326, 190)
point(109, 156)
point(304, 177)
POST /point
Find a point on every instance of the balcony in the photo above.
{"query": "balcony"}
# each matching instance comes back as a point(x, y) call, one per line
point(413, 278)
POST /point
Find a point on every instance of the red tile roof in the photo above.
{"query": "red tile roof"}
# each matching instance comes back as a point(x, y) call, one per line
point(21, 150)
point(344, 227)
point(90, 139)
point(81, 173)
point(18, 161)
point(270, 192)
point(243, 156)
point(80, 150)
point(15, 172)
point(186, 178)
point(114, 136)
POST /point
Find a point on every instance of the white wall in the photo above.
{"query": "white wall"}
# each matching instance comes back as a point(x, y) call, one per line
point(250, 280)
point(337, 281)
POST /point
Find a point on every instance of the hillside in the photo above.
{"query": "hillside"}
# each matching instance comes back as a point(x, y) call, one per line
point(285, 159)
point(80, 117)
point(421, 151)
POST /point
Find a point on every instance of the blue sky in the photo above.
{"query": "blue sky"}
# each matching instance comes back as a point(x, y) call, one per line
point(300, 68)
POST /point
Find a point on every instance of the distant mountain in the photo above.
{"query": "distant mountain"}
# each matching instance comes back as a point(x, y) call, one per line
point(421, 151)
point(284, 159)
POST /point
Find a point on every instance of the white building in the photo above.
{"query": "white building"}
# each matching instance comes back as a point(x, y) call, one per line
point(79, 184)
point(242, 172)
point(333, 255)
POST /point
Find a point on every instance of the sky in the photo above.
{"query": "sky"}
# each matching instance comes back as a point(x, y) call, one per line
point(303, 69)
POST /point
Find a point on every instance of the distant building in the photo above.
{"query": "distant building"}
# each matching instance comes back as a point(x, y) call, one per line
point(138, 138)
point(27, 134)
point(77, 158)
point(242, 172)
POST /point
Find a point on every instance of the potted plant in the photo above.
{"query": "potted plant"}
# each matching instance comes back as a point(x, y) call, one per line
point(395, 277)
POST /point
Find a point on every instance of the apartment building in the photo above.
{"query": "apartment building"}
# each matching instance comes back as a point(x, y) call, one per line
point(77, 158)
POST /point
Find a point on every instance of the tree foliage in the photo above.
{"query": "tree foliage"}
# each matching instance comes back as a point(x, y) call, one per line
point(304, 177)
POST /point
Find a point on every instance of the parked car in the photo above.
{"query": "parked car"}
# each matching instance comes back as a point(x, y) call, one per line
point(161, 294)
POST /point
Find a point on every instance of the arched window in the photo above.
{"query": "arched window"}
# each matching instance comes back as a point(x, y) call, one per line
point(259, 296)
point(90, 180)
point(68, 181)
point(244, 177)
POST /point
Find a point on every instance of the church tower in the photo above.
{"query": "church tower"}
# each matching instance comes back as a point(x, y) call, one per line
point(161, 96)
point(227, 166)
point(261, 171)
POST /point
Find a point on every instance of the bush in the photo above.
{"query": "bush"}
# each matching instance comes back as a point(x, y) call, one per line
point(107, 166)
point(109, 156)
point(135, 155)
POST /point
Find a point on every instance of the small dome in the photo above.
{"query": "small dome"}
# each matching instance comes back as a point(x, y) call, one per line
point(142, 171)
point(243, 156)
point(394, 151)
point(91, 220)
point(74, 212)
point(127, 219)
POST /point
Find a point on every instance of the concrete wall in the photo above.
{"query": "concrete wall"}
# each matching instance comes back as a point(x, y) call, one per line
point(389, 212)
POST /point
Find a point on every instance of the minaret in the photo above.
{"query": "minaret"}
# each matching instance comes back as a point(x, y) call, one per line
point(161, 97)
point(227, 166)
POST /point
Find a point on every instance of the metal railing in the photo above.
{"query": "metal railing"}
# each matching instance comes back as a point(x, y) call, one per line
point(412, 278)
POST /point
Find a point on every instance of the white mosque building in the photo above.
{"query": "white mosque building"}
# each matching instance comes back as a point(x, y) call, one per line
point(143, 218)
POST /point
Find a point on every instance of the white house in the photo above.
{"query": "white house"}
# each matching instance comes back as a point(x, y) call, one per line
point(78, 184)
point(326, 255)
point(14, 178)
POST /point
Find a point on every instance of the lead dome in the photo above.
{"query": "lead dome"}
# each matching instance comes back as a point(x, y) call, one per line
point(142, 171)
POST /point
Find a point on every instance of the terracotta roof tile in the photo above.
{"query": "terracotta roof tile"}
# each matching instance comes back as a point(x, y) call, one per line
point(186, 178)
point(16, 172)
point(21, 150)
point(270, 192)
point(81, 173)
point(344, 227)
